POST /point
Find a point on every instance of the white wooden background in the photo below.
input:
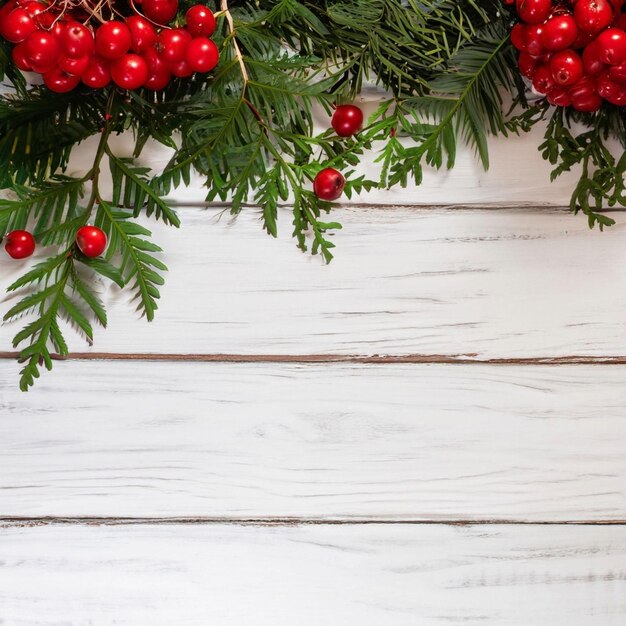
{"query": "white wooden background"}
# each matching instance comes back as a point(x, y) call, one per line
point(429, 431)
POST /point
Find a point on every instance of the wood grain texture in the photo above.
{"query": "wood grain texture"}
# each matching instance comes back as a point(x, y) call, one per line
point(395, 442)
point(368, 575)
point(497, 284)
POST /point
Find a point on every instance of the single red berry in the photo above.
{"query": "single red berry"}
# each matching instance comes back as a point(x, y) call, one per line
point(77, 40)
point(143, 34)
point(42, 51)
point(588, 103)
point(527, 64)
point(347, 120)
point(559, 96)
point(75, 66)
point(97, 75)
point(543, 81)
point(607, 88)
point(160, 11)
point(173, 43)
point(566, 67)
point(592, 64)
point(583, 88)
point(329, 184)
point(534, 11)
point(200, 21)
point(618, 73)
point(59, 81)
point(612, 46)
point(559, 32)
point(202, 55)
point(18, 25)
point(113, 40)
point(129, 71)
point(534, 40)
point(159, 73)
point(91, 241)
point(518, 37)
point(593, 15)
point(181, 69)
point(20, 244)
point(20, 58)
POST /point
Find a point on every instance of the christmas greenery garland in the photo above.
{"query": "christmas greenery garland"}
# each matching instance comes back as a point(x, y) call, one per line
point(246, 126)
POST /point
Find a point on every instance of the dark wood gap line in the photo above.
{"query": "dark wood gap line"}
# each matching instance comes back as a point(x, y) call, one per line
point(19, 521)
point(496, 206)
point(375, 359)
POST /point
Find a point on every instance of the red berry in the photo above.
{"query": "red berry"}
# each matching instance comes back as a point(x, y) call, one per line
point(200, 21)
point(173, 43)
point(20, 58)
point(202, 55)
point(76, 66)
point(42, 51)
point(607, 88)
point(77, 40)
point(159, 73)
point(181, 69)
point(113, 40)
point(59, 81)
point(559, 32)
point(20, 244)
point(618, 72)
point(329, 184)
point(593, 15)
point(534, 40)
point(143, 34)
point(589, 103)
point(91, 241)
point(347, 120)
point(17, 25)
point(160, 11)
point(583, 88)
point(592, 64)
point(97, 75)
point(612, 46)
point(559, 97)
point(534, 11)
point(129, 71)
point(518, 37)
point(543, 81)
point(527, 64)
point(566, 67)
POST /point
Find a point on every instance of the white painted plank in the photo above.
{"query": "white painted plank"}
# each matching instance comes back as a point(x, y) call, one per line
point(494, 283)
point(517, 173)
point(398, 575)
point(427, 442)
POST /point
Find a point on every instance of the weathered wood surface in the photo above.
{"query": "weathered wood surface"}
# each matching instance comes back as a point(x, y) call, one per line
point(398, 575)
point(393, 442)
point(495, 284)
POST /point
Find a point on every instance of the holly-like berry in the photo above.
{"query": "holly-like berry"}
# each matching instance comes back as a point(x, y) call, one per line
point(91, 241)
point(202, 55)
point(97, 75)
point(200, 21)
point(329, 184)
point(18, 25)
point(566, 67)
point(113, 40)
point(143, 34)
point(559, 32)
point(593, 16)
point(347, 120)
point(612, 46)
point(59, 81)
point(20, 244)
point(160, 11)
point(534, 11)
point(129, 71)
point(77, 41)
point(42, 51)
point(173, 44)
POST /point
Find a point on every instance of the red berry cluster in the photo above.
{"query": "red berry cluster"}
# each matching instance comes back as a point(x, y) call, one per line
point(574, 51)
point(63, 45)
point(90, 240)
point(329, 183)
